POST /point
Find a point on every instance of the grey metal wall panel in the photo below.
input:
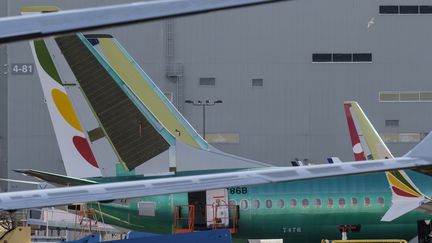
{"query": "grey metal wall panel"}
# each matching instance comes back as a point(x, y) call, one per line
point(298, 112)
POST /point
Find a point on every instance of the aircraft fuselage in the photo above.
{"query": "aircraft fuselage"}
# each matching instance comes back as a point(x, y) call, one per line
point(302, 211)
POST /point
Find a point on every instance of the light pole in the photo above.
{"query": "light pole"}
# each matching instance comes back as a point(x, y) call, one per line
point(203, 104)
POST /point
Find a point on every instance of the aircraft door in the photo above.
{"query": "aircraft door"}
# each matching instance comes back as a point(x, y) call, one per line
point(217, 208)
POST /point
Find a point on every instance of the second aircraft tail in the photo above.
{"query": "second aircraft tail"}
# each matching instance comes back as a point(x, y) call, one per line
point(368, 144)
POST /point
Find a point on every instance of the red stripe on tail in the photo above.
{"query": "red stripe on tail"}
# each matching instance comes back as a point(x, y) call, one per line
point(401, 193)
point(355, 139)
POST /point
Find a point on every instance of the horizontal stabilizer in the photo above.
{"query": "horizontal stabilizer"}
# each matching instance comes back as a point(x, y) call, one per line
point(55, 179)
point(20, 181)
point(402, 207)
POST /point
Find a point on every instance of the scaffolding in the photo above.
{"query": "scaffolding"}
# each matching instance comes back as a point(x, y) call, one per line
point(184, 218)
point(224, 216)
point(184, 224)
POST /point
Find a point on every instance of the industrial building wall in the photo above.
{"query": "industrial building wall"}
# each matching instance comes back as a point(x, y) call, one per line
point(277, 103)
point(298, 111)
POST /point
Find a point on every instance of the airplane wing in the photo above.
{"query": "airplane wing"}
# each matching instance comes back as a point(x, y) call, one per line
point(151, 187)
point(39, 25)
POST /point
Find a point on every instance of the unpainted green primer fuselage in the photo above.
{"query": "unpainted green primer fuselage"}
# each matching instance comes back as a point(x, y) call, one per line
point(307, 221)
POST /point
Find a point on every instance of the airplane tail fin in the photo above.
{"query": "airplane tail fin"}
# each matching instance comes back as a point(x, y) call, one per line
point(366, 142)
point(132, 116)
point(75, 150)
point(405, 194)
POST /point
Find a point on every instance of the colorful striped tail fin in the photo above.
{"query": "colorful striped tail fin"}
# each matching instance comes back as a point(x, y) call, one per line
point(75, 149)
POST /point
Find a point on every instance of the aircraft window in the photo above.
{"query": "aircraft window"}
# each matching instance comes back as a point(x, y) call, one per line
point(269, 204)
point(389, 9)
point(305, 203)
point(426, 9)
point(367, 201)
point(409, 9)
point(232, 202)
point(281, 203)
point(317, 202)
point(341, 202)
point(244, 204)
point(256, 203)
point(354, 202)
point(293, 203)
point(380, 201)
point(330, 202)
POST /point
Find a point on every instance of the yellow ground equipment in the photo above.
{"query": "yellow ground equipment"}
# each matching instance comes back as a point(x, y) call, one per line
point(18, 235)
point(365, 241)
